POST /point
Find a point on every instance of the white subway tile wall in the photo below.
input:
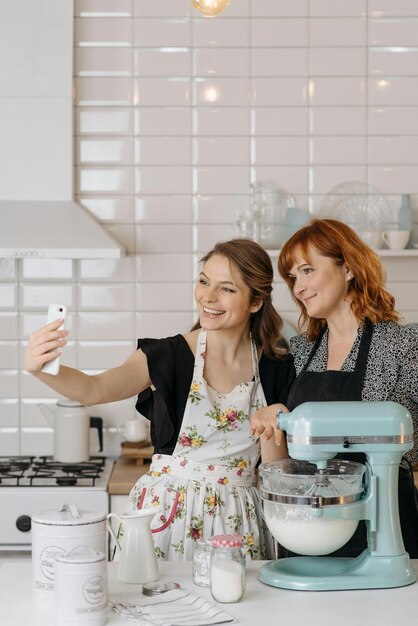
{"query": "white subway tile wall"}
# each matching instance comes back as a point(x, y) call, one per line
point(175, 115)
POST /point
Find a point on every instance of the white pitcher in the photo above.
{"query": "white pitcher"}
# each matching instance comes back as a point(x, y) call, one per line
point(137, 561)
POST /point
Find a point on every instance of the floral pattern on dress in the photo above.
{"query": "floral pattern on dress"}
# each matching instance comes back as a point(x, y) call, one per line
point(234, 522)
point(194, 394)
point(160, 554)
point(195, 528)
point(251, 547)
point(180, 494)
point(250, 512)
point(191, 438)
point(178, 547)
point(239, 463)
point(226, 420)
point(213, 502)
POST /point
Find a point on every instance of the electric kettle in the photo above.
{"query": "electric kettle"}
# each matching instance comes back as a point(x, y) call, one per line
point(71, 423)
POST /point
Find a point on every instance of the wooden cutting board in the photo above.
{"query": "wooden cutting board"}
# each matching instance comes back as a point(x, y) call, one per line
point(125, 474)
point(140, 451)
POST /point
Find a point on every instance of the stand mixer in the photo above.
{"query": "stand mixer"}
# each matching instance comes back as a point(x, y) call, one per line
point(316, 432)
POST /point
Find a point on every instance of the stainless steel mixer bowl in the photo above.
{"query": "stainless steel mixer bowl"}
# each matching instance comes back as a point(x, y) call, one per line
point(293, 491)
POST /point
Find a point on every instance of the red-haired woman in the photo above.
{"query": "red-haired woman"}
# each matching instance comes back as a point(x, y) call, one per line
point(354, 347)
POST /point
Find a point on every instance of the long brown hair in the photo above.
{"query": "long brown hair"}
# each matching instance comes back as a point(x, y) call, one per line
point(336, 240)
point(254, 265)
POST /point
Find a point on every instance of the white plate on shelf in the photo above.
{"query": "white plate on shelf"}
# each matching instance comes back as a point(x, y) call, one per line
point(361, 206)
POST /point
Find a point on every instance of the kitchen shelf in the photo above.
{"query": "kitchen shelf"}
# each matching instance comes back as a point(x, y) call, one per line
point(383, 253)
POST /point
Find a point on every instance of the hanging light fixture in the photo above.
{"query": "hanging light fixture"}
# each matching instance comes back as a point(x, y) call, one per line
point(210, 8)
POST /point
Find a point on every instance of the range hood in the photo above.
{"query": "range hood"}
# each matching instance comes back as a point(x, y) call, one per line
point(38, 214)
point(60, 229)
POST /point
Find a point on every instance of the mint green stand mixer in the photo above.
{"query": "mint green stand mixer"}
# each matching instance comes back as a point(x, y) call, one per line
point(316, 432)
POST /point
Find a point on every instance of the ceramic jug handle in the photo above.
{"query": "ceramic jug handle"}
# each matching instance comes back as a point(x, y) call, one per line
point(110, 529)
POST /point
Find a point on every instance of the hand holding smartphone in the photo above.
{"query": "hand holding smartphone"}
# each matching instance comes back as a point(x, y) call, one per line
point(55, 311)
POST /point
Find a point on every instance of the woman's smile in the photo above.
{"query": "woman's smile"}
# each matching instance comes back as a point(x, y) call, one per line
point(215, 312)
point(308, 298)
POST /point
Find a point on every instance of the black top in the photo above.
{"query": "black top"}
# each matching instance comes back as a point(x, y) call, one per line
point(171, 364)
point(391, 372)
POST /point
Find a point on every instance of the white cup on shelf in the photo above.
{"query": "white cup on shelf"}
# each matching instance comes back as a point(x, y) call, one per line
point(372, 238)
point(396, 239)
point(134, 430)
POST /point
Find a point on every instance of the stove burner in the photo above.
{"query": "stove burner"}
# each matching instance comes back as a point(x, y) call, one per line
point(69, 468)
point(13, 465)
point(13, 469)
point(66, 481)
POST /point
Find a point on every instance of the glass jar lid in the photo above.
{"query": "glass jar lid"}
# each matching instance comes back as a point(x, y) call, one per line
point(227, 541)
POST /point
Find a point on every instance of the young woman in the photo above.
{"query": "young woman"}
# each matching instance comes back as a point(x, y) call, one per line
point(198, 390)
point(354, 347)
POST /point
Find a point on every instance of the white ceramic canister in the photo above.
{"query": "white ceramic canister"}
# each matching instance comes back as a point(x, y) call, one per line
point(81, 588)
point(55, 533)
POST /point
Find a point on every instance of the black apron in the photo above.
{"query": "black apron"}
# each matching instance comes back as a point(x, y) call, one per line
point(348, 386)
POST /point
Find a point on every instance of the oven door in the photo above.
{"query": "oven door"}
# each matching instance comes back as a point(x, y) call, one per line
point(18, 504)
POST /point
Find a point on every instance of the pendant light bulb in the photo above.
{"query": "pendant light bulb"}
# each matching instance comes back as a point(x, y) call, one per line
point(210, 8)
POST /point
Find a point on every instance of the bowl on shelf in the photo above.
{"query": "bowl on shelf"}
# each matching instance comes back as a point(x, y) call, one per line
point(373, 238)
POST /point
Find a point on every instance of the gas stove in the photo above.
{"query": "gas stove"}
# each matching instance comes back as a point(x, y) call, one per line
point(43, 471)
point(30, 485)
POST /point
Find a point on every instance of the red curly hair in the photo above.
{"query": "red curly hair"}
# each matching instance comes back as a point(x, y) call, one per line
point(339, 242)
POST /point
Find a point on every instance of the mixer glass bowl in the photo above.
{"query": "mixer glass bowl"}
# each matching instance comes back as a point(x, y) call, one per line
point(290, 487)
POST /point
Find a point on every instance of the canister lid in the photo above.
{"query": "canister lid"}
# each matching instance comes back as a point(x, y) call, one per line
point(69, 515)
point(227, 541)
point(81, 554)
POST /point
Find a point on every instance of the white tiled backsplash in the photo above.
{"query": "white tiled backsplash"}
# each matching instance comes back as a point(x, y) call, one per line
point(175, 115)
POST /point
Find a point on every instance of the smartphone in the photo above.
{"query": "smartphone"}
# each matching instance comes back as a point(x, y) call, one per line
point(55, 311)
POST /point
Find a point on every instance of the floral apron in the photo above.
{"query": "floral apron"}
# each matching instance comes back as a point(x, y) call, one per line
point(208, 485)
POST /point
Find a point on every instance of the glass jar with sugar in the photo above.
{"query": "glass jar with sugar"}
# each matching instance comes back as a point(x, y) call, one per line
point(227, 568)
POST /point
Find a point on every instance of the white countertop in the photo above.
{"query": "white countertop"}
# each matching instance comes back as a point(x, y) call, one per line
point(386, 607)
